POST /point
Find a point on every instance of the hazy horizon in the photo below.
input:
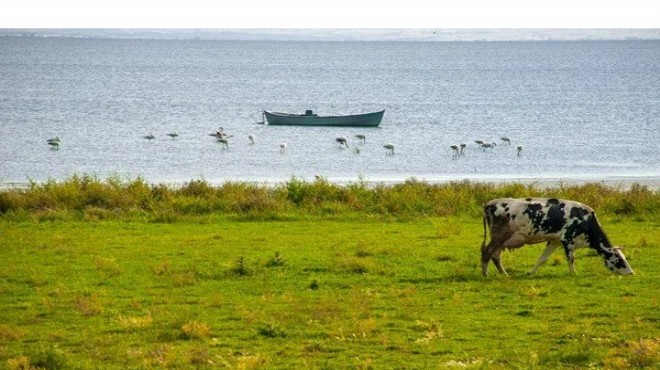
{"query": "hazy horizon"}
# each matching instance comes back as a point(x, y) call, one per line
point(342, 34)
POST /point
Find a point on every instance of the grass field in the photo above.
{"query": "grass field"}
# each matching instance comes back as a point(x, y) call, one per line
point(299, 289)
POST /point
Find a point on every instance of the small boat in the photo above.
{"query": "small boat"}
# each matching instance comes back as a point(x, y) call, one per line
point(312, 119)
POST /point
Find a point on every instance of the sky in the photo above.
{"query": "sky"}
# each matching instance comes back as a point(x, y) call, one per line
point(364, 14)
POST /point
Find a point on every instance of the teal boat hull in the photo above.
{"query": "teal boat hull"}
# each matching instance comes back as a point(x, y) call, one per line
point(311, 119)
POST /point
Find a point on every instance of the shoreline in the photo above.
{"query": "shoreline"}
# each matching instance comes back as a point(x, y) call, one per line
point(623, 182)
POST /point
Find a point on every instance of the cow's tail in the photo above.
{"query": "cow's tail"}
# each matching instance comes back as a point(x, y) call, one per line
point(486, 224)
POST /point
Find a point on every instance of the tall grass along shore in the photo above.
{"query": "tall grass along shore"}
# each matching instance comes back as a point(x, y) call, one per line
point(90, 198)
point(123, 274)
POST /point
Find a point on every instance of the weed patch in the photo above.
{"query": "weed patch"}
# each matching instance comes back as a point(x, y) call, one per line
point(354, 266)
point(196, 330)
point(640, 354)
point(184, 278)
point(8, 333)
point(50, 357)
point(271, 330)
point(88, 305)
point(107, 266)
point(163, 268)
point(135, 322)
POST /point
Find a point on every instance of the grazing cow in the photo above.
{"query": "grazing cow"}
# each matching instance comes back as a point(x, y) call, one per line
point(516, 222)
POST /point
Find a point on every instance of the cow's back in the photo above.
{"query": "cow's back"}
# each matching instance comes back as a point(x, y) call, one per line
point(537, 219)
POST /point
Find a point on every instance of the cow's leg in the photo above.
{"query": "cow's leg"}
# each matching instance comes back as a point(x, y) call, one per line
point(549, 249)
point(493, 252)
point(569, 249)
point(497, 260)
point(486, 254)
point(514, 241)
point(493, 248)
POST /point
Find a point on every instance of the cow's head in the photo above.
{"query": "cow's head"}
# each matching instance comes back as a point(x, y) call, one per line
point(617, 262)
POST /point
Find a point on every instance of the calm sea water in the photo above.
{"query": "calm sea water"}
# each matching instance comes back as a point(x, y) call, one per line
point(580, 109)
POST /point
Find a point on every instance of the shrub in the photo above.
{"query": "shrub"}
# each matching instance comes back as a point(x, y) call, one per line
point(240, 267)
point(197, 188)
point(276, 261)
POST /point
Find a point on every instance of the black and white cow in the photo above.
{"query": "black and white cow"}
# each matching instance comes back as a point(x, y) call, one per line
point(515, 222)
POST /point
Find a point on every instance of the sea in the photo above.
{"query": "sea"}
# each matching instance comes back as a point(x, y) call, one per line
point(579, 110)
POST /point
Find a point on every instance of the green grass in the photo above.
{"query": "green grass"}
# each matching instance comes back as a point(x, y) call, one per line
point(120, 275)
point(315, 292)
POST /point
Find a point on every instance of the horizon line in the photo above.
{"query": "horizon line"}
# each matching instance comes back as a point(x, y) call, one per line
point(343, 34)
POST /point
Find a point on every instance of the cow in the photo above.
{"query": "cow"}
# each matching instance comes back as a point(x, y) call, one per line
point(515, 222)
